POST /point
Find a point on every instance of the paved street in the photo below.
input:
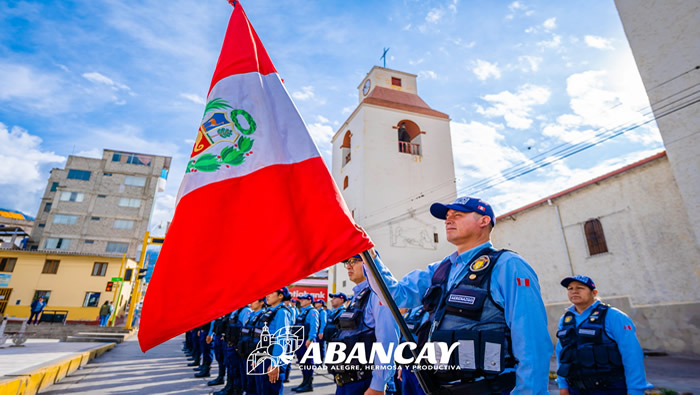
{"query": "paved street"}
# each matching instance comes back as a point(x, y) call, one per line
point(162, 370)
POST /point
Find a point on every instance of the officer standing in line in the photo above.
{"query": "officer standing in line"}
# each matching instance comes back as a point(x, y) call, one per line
point(415, 317)
point(292, 305)
point(247, 343)
point(489, 298)
point(320, 306)
point(216, 336)
point(598, 351)
point(206, 349)
point(196, 350)
point(364, 321)
point(308, 318)
point(337, 308)
point(275, 318)
point(234, 363)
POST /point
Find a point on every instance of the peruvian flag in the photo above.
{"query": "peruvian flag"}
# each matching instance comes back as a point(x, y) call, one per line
point(257, 209)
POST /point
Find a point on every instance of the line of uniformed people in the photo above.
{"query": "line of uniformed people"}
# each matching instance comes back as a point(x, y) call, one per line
point(489, 302)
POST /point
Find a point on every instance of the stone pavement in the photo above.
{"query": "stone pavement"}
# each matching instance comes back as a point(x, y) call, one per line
point(36, 353)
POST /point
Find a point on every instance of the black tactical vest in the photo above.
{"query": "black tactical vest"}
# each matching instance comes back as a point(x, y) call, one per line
point(414, 319)
point(352, 329)
point(265, 320)
point(246, 343)
point(301, 321)
point(233, 327)
point(332, 325)
point(220, 325)
point(587, 350)
point(466, 313)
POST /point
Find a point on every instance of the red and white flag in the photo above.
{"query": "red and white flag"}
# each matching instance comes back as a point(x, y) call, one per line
point(257, 208)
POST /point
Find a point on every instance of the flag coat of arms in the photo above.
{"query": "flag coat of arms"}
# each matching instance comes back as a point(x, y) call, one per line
point(257, 208)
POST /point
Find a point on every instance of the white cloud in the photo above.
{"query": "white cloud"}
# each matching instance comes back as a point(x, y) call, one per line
point(427, 74)
point(407, 27)
point(474, 141)
point(194, 98)
point(23, 168)
point(163, 211)
point(322, 119)
point(306, 93)
point(347, 110)
point(483, 70)
point(555, 42)
point(598, 42)
point(95, 153)
point(98, 78)
point(27, 88)
point(516, 5)
point(550, 24)
point(434, 15)
point(528, 63)
point(515, 108)
point(453, 7)
point(322, 133)
point(415, 62)
point(131, 138)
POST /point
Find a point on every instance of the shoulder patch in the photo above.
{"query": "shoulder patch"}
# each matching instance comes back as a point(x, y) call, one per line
point(480, 264)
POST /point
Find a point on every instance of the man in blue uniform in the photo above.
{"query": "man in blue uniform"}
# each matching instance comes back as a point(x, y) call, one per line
point(275, 318)
point(247, 343)
point(485, 299)
point(366, 321)
point(320, 306)
point(292, 306)
point(598, 352)
point(216, 336)
point(309, 319)
point(234, 363)
point(206, 349)
point(415, 318)
point(337, 308)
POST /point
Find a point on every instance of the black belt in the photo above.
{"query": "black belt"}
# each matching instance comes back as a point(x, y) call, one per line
point(590, 383)
point(351, 376)
point(499, 384)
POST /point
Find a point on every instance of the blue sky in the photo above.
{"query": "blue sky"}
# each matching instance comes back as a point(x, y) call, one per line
point(517, 78)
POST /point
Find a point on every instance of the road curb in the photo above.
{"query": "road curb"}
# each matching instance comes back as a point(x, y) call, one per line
point(33, 381)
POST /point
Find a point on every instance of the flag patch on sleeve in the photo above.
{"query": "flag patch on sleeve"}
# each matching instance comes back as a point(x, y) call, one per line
point(628, 327)
point(523, 282)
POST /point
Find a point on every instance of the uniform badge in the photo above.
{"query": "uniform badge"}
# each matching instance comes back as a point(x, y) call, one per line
point(592, 319)
point(480, 264)
point(567, 319)
point(472, 276)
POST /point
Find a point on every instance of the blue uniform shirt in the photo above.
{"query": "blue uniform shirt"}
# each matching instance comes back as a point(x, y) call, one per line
point(515, 287)
point(387, 332)
point(313, 321)
point(323, 319)
point(620, 328)
point(283, 318)
point(295, 312)
point(243, 315)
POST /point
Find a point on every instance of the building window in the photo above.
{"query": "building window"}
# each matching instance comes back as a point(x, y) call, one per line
point(83, 175)
point(595, 237)
point(117, 247)
point(128, 202)
point(42, 294)
point(101, 196)
point(123, 224)
point(92, 299)
point(50, 266)
point(409, 137)
point(65, 219)
point(395, 81)
point(57, 243)
point(54, 185)
point(72, 196)
point(7, 264)
point(108, 174)
point(94, 218)
point(135, 181)
point(99, 269)
point(89, 241)
point(47, 207)
point(435, 238)
point(346, 148)
point(127, 274)
point(133, 159)
point(345, 182)
point(116, 157)
point(42, 225)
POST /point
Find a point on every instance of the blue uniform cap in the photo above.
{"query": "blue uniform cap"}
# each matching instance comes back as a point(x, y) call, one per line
point(339, 295)
point(323, 302)
point(307, 296)
point(582, 279)
point(354, 256)
point(285, 293)
point(466, 205)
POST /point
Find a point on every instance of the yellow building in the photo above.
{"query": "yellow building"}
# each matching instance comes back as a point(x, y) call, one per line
point(68, 281)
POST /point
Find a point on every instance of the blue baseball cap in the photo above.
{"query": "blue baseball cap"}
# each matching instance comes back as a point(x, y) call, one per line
point(285, 293)
point(323, 302)
point(307, 296)
point(582, 279)
point(339, 295)
point(466, 205)
point(354, 256)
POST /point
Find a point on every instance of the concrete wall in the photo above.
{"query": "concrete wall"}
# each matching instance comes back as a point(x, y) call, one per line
point(68, 286)
point(663, 36)
point(652, 255)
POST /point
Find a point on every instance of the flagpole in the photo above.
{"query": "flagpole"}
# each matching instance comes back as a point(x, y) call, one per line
point(426, 382)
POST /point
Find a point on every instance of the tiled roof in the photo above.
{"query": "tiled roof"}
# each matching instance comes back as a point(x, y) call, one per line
point(399, 100)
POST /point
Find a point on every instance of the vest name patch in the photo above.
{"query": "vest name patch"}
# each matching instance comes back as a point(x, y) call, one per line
point(347, 314)
point(461, 299)
point(589, 332)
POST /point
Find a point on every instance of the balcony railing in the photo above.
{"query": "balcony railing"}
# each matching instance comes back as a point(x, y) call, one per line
point(409, 148)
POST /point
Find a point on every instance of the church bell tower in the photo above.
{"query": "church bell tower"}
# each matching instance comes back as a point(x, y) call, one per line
point(392, 158)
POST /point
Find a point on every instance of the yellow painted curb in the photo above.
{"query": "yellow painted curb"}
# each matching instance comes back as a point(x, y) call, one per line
point(32, 382)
